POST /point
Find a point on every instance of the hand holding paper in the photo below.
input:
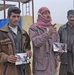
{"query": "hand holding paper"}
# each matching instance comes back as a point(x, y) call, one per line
point(22, 58)
point(59, 47)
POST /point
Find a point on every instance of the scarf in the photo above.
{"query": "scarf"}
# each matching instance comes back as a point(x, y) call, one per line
point(42, 21)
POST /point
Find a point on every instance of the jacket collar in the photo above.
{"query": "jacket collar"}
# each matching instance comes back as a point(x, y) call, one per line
point(65, 25)
point(5, 29)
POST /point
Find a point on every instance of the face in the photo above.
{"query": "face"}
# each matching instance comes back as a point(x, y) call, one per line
point(71, 19)
point(46, 14)
point(14, 19)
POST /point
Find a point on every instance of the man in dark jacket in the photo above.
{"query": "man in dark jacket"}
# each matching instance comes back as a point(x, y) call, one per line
point(66, 33)
point(13, 40)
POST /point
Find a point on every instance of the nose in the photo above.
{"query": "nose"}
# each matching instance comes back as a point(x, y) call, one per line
point(72, 17)
point(48, 13)
point(16, 18)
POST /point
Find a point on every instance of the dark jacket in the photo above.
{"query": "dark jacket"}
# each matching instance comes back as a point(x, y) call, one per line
point(6, 49)
point(63, 39)
point(67, 58)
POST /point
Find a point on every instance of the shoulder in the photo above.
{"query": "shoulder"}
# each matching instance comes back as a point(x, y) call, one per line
point(24, 32)
point(33, 28)
point(62, 27)
point(36, 27)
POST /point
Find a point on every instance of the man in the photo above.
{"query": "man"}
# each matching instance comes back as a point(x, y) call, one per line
point(66, 33)
point(43, 34)
point(13, 40)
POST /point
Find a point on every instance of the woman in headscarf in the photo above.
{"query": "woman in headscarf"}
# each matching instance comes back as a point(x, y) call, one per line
point(43, 34)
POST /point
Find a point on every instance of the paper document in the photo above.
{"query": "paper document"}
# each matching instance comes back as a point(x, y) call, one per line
point(22, 58)
point(59, 46)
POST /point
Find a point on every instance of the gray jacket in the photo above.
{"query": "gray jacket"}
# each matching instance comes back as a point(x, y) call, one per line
point(63, 39)
point(67, 36)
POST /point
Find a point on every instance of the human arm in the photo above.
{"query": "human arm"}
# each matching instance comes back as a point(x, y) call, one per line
point(39, 36)
point(28, 45)
point(6, 58)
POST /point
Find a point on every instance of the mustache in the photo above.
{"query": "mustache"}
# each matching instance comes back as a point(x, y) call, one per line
point(48, 17)
point(71, 20)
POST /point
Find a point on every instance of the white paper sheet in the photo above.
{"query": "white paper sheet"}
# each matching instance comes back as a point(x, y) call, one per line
point(22, 58)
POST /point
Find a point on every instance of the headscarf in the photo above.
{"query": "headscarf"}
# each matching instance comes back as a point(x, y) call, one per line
point(42, 21)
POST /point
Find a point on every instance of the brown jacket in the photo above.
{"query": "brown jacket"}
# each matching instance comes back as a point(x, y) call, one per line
point(7, 47)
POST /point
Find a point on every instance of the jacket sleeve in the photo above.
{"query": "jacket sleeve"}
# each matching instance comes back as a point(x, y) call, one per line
point(3, 56)
point(38, 40)
point(59, 32)
point(57, 37)
point(27, 44)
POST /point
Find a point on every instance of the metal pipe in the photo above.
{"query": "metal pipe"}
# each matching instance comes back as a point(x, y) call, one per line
point(73, 4)
point(19, 4)
point(4, 8)
point(33, 10)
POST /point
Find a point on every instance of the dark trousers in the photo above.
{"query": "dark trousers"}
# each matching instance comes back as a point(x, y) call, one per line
point(69, 73)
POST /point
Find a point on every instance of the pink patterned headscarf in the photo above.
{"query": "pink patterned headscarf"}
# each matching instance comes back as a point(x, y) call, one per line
point(42, 21)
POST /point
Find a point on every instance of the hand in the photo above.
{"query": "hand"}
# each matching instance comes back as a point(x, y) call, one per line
point(60, 51)
point(29, 53)
point(52, 29)
point(58, 58)
point(11, 59)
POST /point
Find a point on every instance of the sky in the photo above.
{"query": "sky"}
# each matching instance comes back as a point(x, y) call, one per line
point(58, 9)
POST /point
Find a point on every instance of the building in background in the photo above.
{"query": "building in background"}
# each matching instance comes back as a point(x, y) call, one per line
point(24, 5)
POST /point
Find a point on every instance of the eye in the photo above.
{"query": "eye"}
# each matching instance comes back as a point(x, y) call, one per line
point(46, 12)
point(13, 16)
point(18, 16)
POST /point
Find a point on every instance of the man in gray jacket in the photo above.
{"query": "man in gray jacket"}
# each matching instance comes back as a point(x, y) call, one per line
point(66, 33)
